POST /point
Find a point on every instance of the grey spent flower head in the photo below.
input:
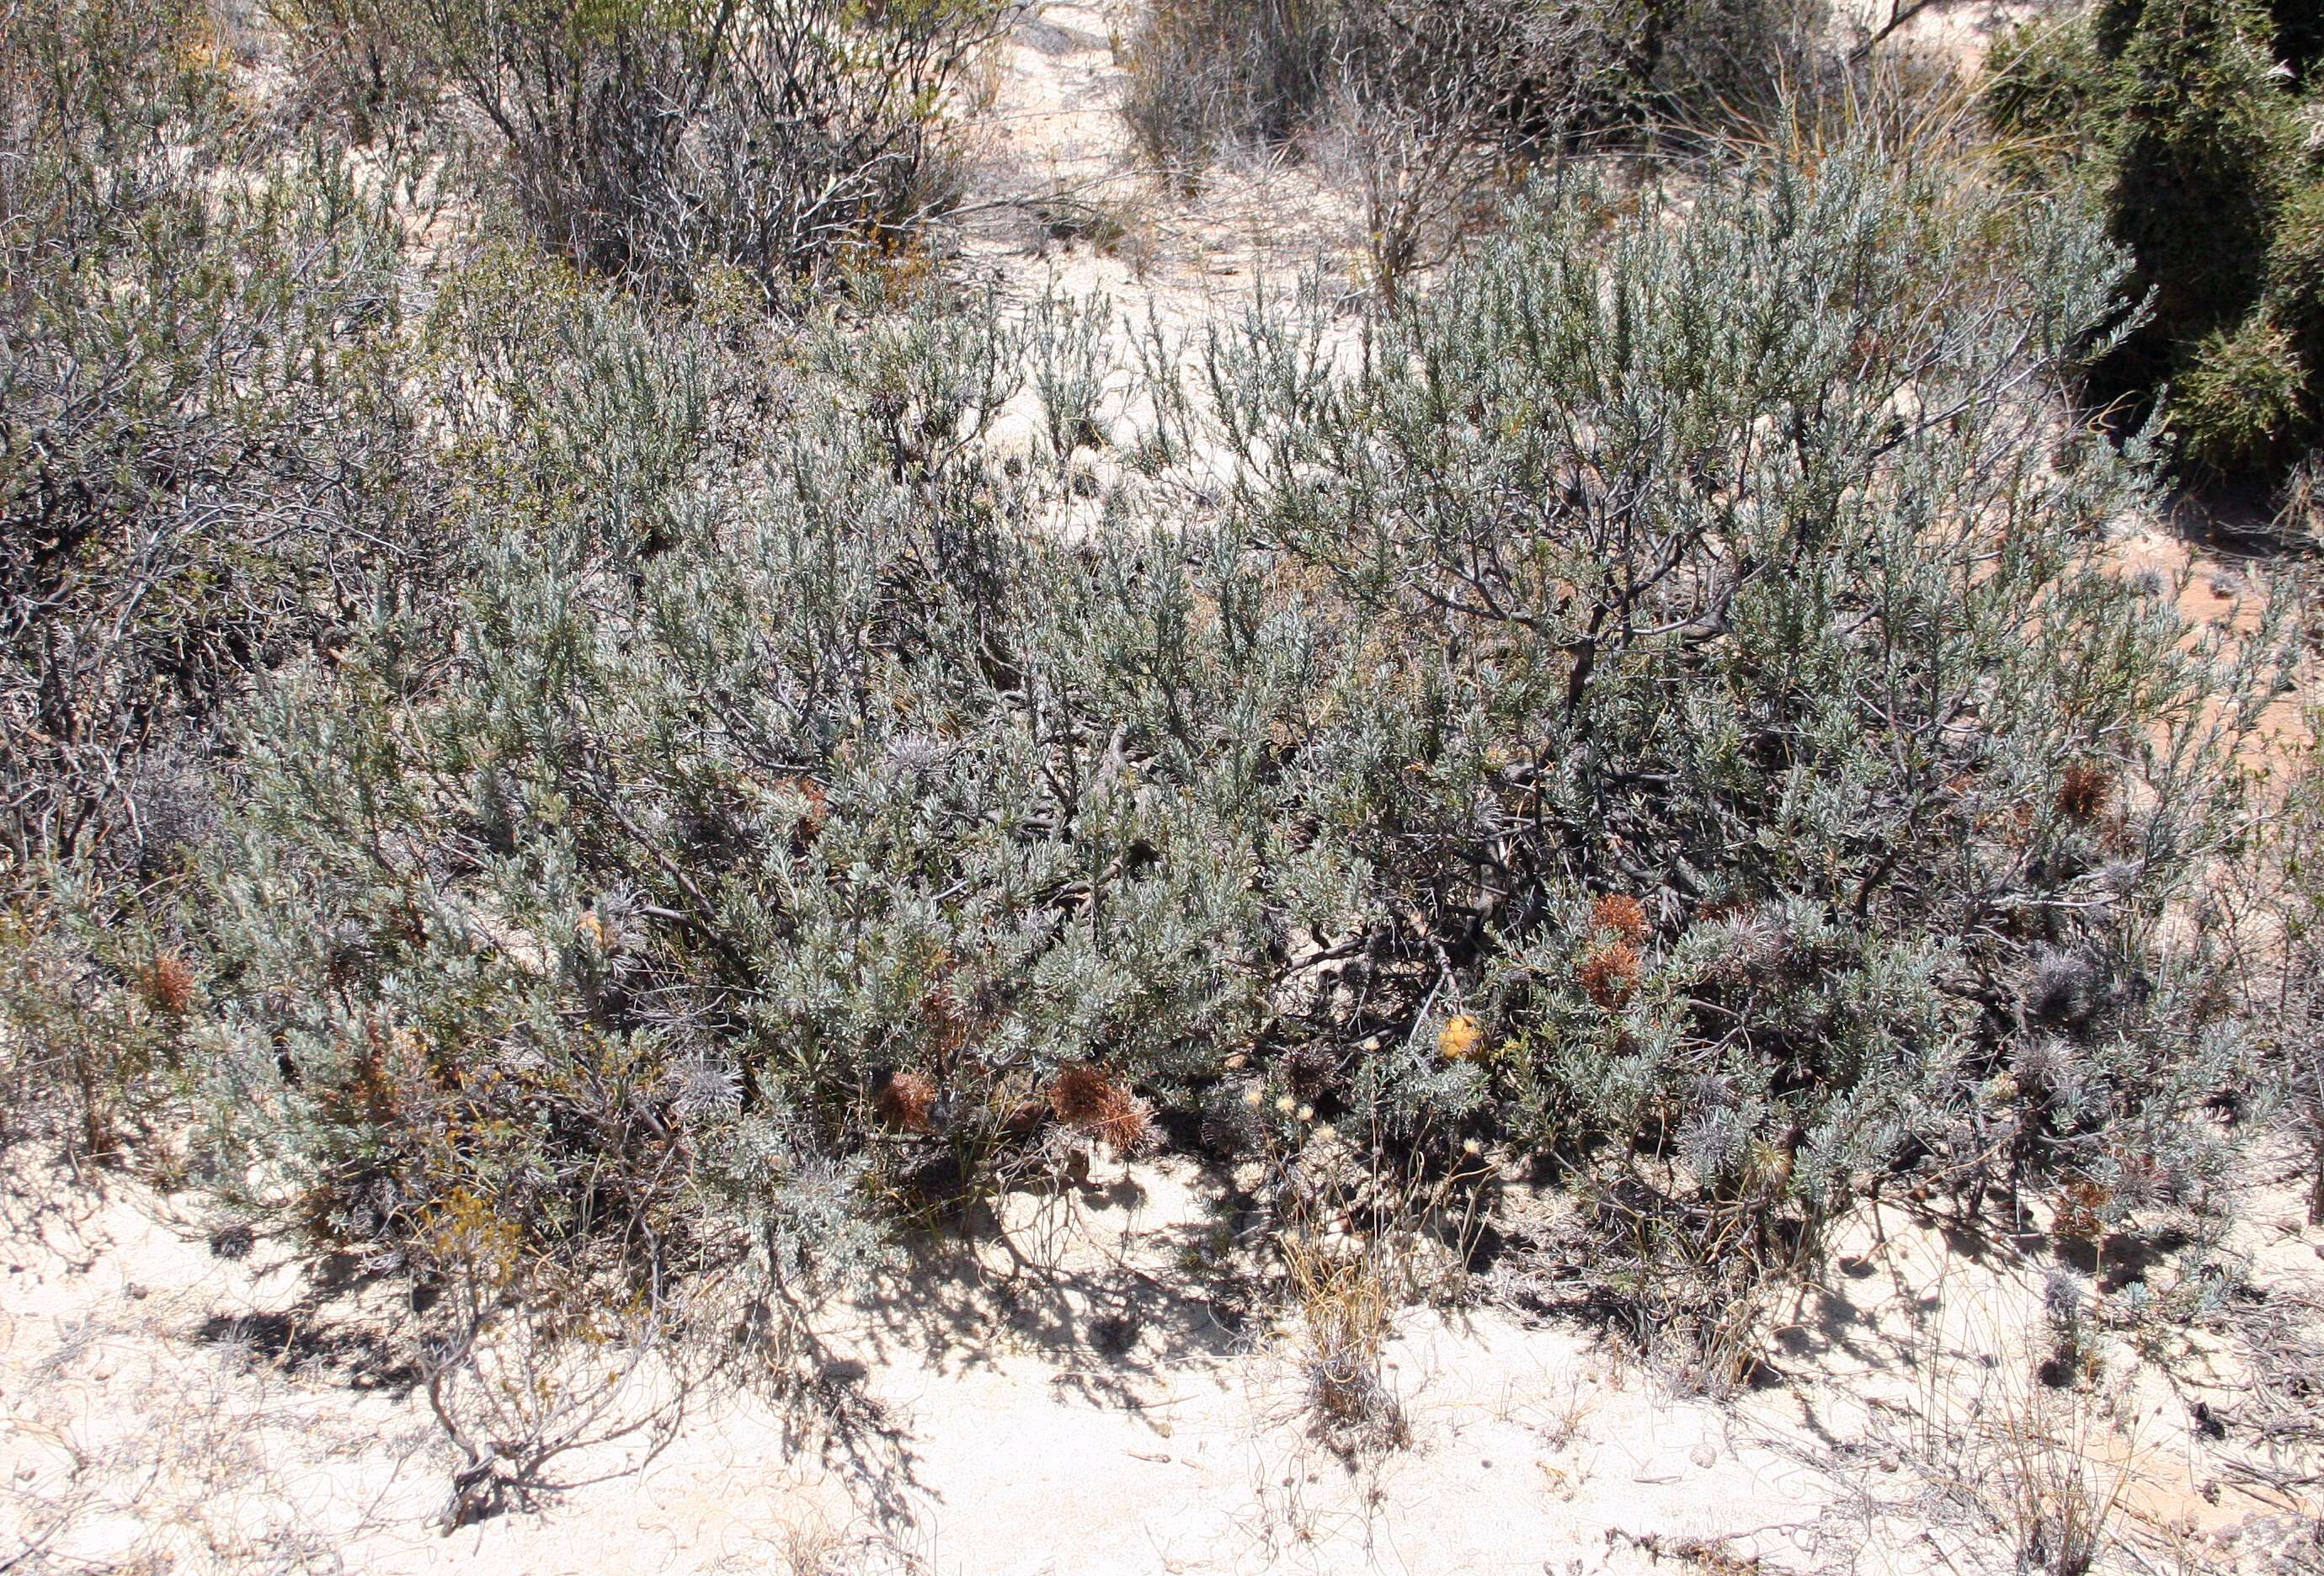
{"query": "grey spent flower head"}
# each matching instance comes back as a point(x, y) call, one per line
point(1713, 1143)
point(2065, 1299)
point(705, 1087)
point(2064, 986)
point(2045, 1061)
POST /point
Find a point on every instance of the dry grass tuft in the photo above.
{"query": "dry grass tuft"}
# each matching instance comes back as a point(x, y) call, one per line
point(1347, 1301)
point(2052, 1486)
point(2047, 1465)
point(1360, 1240)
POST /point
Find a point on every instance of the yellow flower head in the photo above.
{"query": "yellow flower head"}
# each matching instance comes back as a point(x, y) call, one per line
point(1458, 1040)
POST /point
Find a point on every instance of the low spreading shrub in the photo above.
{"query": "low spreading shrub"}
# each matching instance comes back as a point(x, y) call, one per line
point(1725, 571)
point(1659, 706)
point(1665, 710)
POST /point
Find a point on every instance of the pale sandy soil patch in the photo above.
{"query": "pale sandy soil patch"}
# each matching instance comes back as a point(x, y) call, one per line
point(1077, 1395)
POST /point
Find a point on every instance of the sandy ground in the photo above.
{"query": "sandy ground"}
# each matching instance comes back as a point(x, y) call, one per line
point(1074, 1390)
point(1071, 1394)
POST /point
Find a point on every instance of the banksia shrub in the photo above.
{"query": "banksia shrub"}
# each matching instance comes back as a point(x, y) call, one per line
point(747, 837)
point(767, 783)
point(1862, 916)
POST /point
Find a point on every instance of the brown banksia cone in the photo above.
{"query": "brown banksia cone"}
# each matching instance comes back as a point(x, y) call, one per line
point(1607, 973)
point(1084, 1098)
point(2083, 791)
point(905, 1101)
point(1619, 914)
point(167, 983)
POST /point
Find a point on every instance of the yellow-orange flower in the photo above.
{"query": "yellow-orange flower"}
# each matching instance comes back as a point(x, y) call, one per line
point(1458, 1040)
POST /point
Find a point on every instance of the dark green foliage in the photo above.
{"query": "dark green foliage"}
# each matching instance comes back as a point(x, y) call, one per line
point(2191, 119)
point(2245, 389)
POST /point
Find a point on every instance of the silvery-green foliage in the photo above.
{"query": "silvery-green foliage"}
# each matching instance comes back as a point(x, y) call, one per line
point(1676, 648)
point(769, 752)
point(1071, 345)
point(205, 459)
point(2290, 865)
point(1740, 560)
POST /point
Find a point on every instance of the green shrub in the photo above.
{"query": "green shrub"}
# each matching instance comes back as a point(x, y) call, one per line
point(2190, 118)
point(652, 797)
point(756, 774)
point(2243, 391)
